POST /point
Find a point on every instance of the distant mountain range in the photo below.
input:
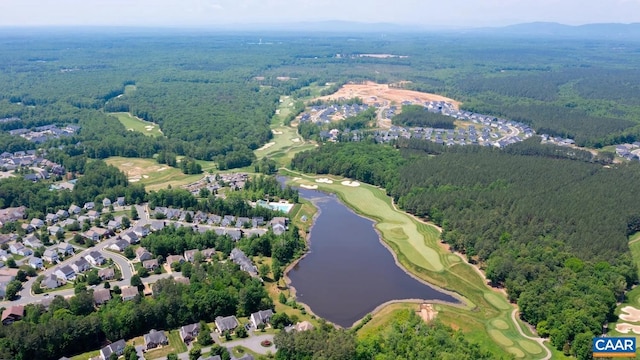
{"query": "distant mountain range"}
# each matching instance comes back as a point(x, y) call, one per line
point(550, 29)
point(612, 31)
point(535, 29)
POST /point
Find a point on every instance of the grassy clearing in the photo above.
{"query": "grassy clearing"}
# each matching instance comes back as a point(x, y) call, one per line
point(87, 355)
point(386, 315)
point(154, 176)
point(136, 124)
point(129, 89)
point(418, 249)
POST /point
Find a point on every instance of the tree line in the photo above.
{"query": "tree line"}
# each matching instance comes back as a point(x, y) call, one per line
point(523, 214)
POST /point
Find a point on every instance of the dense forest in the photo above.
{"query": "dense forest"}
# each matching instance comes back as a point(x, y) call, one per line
point(562, 256)
point(415, 115)
point(407, 337)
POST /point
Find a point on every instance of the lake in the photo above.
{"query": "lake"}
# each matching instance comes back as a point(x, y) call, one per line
point(348, 272)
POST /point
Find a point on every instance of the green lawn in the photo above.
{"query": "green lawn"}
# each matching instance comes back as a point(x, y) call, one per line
point(136, 124)
point(153, 175)
point(486, 313)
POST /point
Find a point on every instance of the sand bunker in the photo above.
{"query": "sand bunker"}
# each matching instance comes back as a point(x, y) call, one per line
point(276, 132)
point(350, 183)
point(145, 176)
point(296, 178)
point(310, 187)
point(625, 328)
point(295, 140)
point(278, 112)
point(629, 313)
point(324, 181)
point(266, 146)
point(162, 168)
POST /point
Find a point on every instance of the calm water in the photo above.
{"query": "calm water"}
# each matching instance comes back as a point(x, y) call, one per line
point(348, 272)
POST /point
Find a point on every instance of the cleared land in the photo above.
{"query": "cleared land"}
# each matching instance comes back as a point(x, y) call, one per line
point(153, 175)
point(133, 123)
point(418, 249)
point(371, 93)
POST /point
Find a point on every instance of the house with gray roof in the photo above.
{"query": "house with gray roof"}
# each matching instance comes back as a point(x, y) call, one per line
point(228, 323)
point(81, 265)
point(188, 333)
point(261, 317)
point(50, 256)
point(155, 339)
point(116, 347)
point(129, 292)
point(239, 257)
point(50, 282)
point(101, 296)
point(65, 273)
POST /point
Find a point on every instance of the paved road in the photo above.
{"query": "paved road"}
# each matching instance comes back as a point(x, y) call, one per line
point(252, 343)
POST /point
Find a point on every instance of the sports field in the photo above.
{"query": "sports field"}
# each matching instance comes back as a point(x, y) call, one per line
point(133, 123)
point(486, 316)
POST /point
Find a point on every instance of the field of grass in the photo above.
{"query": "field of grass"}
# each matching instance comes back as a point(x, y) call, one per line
point(485, 315)
point(128, 89)
point(286, 142)
point(154, 176)
point(136, 124)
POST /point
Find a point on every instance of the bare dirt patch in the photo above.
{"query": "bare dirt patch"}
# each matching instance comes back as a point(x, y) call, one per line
point(371, 93)
point(427, 312)
point(629, 313)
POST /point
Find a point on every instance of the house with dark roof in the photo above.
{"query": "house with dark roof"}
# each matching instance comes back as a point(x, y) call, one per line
point(50, 282)
point(65, 273)
point(95, 258)
point(81, 265)
point(238, 257)
point(155, 339)
point(119, 245)
point(228, 323)
point(116, 347)
point(12, 314)
point(143, 254)
point(130, 237)
point(101, 296)
point(188, 333)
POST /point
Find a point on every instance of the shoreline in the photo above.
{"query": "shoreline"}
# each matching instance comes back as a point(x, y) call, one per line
point(462, 302)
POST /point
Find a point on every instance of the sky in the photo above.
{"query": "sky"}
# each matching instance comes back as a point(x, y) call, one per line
point(212, 13)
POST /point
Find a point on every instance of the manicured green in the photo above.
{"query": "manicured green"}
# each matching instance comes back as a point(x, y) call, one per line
point(133, 123)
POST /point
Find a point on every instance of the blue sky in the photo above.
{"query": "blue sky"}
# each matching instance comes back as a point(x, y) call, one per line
point(203, 13)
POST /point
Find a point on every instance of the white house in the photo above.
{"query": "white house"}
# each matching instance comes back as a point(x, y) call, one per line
point(50, 256)
point(95, 258)
point(65, 248)
point(65, 273)
point(19, 249)
point(36, 263)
